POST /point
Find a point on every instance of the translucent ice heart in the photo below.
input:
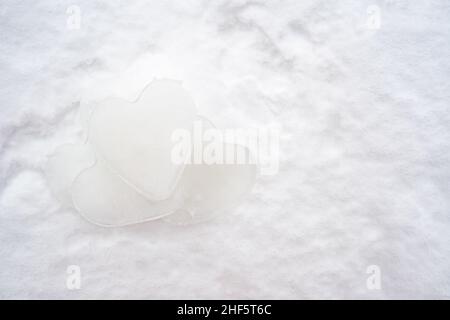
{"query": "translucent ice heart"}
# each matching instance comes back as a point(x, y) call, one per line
point(209, 190)
point(134, 139)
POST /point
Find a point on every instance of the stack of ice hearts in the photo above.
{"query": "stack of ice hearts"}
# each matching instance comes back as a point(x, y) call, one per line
point(125, 174)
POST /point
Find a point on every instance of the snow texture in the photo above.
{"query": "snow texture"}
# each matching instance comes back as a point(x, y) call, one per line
point(359, 89)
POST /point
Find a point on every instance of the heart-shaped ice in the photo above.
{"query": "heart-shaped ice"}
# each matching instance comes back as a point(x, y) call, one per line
point(209, 190)
point(134, 139)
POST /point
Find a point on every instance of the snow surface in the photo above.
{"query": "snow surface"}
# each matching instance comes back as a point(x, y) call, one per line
point(364, 173)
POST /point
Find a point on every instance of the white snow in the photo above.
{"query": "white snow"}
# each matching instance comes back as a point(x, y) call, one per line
point(364, 176)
